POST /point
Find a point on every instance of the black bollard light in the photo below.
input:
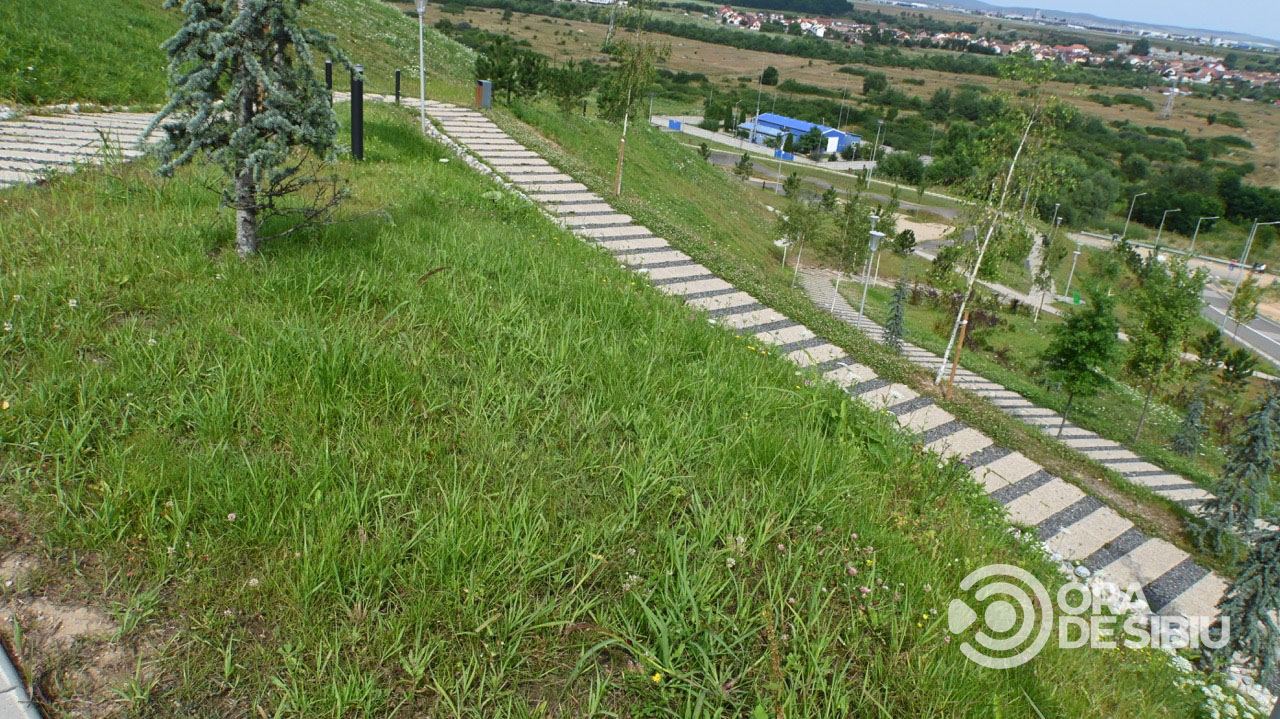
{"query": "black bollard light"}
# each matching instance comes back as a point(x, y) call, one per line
point(328, 77)
point(397, 87)
point(357, 113)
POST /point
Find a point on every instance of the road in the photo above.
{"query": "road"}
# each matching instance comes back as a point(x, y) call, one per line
point(767, 169)
point(1261, 335)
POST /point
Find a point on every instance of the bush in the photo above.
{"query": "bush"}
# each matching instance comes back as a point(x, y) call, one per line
point(902, 166)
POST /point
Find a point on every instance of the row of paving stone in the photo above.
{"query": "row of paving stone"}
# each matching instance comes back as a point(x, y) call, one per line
point(818, 284)
point(33, 146)
point(1076, 526)
point(1112, 455)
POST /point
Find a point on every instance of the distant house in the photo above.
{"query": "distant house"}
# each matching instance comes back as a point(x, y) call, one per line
point(768, 125)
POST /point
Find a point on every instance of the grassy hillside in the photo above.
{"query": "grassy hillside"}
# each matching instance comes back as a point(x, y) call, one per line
point(416, 465)
point(108, 51)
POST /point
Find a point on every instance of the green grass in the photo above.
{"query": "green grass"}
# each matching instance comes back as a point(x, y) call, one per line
point(108, 52)
point(105, 52)
point(511, 487)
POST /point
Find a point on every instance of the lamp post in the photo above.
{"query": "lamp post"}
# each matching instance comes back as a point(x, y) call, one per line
point(1125, 235)
point(759, 91)
point(874, 243)
point(1192, 252)
point(421, 6)
point(874, 148)
point(1166, 214)
point(1053, 224)
point(1244, 258)
point(1070, 275)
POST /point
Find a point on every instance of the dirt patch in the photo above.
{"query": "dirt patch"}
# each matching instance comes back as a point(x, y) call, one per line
point(1270, 310)
point(66, 648)
point(925, 231)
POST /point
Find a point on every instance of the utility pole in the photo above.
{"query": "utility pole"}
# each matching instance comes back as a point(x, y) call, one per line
point(874, 148)
point(608, 36)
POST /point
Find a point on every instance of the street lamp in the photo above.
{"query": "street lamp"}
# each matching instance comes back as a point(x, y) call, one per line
point(421, 6)
point(1166, 214)
point(1244, 258)
point(1054, 222)
point(1192, 253)
point(874, 242)
point(1125, 235)
point(874, 149)
point(759, 89)
point(1075, 258)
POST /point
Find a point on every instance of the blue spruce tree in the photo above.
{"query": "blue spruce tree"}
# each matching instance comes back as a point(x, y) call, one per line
point(243, 93)
point(1245, 483)
point(1250, 607)
point(895, 325)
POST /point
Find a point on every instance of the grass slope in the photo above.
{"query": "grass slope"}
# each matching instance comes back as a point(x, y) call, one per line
point(108, 51)
point(727, 225)
point(335, 482)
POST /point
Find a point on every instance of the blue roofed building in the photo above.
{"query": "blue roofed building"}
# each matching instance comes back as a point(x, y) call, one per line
point(768, 126)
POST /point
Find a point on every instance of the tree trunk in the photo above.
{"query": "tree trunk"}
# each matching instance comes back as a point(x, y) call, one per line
point(246, 215)
point(246, 203)
point(1065, 411)
point(1143, 417)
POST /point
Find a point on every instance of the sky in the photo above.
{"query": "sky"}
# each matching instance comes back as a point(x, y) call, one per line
point(1255, 17)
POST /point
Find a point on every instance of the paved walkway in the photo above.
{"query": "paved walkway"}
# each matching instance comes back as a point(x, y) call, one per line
point(818, 285)
point(33, 146)
point(1074, 526)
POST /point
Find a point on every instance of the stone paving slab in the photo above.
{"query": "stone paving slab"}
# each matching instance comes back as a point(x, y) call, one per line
point(639, 244)
point(666, 273)
point(962, 444)
point(1040, 504)
point(640, 260)
point(720, 302)
point(811, 356)
point(562, 197)
point(552, 187)
point(786, 335)
point(688, 288)
point(925, 418)
point(578, 209)
point(585, 220)
point(1090, 534)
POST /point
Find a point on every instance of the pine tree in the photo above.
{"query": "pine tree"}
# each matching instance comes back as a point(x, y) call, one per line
point(743, 168)
point(895, 325)
point(1245, 482)
point(1187, 441)
point(242, 91)
point(1250, 607)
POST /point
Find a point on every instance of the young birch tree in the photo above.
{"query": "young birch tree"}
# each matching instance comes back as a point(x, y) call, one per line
point(1006, 160)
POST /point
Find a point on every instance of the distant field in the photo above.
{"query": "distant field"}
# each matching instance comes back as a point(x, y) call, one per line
point(567, 39)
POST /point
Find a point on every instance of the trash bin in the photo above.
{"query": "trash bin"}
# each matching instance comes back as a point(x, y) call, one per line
point(484, 94)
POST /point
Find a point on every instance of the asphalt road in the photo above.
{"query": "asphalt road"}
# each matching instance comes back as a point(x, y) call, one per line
point(763, 167)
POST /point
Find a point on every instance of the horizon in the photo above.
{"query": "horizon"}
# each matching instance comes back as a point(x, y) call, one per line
point(1224, 17)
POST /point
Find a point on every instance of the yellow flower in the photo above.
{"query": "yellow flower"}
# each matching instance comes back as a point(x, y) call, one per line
point(657, 677)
